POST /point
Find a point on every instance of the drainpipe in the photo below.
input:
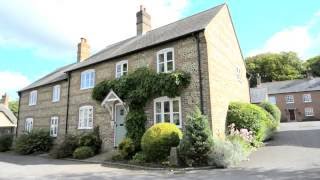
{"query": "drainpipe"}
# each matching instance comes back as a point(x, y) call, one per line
point(196, 36)
point(18, 118)
point(68, 95)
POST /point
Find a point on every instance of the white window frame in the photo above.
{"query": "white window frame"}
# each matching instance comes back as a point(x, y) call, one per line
point(84, 117)
point(307, 98)
point(272, 99)
point(28, 126)
point(308, 112)
point(87, 79)
point(165, 61)
point(56, 91)
point(54, 124)
point(33, 96)
point(289, 99)
point(165, 99)
point(122, 71)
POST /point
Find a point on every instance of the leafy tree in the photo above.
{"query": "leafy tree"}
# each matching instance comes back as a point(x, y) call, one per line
point(274, 67)
point(313, 65)
point(14, 107)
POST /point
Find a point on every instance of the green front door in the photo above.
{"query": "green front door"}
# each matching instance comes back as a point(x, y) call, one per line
point(120, 129)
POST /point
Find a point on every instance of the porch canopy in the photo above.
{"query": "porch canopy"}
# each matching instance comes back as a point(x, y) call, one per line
point(110, 100)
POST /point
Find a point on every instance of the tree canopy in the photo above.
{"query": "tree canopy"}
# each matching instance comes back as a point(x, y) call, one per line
point(313, 65)
point(13, 106)
point(274, 67)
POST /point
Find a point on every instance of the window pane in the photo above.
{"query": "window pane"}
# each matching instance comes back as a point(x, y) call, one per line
point(118, 69)
point(176, 119)
point(166, 117)
point(158, 107)
point(170, 66)
point(166, 105)
point(169, 56)
point(175, 106)
point(158, 118)
point(161, 67)
point(125, 67)
point(161, 58)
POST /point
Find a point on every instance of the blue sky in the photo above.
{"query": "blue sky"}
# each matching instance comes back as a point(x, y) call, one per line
point(37, 37)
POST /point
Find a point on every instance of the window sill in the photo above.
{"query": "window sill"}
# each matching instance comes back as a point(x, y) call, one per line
point(85, 128)
point(86, 88)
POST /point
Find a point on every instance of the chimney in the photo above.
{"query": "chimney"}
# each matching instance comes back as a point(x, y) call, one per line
point(143, 21)
point(5, 100)
point(258, 80)
point(83, 50)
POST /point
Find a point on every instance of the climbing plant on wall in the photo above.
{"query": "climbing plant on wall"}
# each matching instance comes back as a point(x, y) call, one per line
point(136, 89)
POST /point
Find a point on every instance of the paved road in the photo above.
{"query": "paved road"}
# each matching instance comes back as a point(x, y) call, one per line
point(294, 154)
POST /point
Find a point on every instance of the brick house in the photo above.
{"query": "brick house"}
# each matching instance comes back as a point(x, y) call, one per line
point(298, 100)
point(204, 45)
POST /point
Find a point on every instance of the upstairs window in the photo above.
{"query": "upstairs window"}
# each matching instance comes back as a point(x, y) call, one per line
point(121, 68)
point(165, 60)
point(308, 111)
point(272, 99)
point(28, 125)
point(56, 93)
point(54, 122)
point(33, 98)
point(289, 99)
point(167, 110)
point(307, 98)
point(87, 79)
point(85, 117)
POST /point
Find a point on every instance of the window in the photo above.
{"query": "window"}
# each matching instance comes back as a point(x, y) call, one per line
point(121, 68)
point(87, 79)
point(28, 125)
point(238, 73)
point(307, 98)
point(56, 93)
point(165, 60)
point(54, 122)
point(85, 117)
point(308, 111)
point(167, 110)
point(272, 99)
point(33, 98)
point(289, 99)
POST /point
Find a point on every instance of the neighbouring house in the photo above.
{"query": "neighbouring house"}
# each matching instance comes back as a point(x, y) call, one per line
point(8, 121)
point(204, 45)
point(298, 100)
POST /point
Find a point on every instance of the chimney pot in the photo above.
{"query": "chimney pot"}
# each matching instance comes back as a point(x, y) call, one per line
point(83, 50)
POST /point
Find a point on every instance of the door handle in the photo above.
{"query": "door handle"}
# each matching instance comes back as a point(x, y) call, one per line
point(120, 124)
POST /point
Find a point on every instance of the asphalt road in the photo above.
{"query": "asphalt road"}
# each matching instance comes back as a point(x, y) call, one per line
point(293, 154)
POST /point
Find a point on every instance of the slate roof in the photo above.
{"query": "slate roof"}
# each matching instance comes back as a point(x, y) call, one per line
point(186, 26)
point(11, 117)
point(298, 85)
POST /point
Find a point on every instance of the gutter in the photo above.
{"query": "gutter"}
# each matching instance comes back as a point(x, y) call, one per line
point(196, 36)
point(18, 118)
point(67, 114)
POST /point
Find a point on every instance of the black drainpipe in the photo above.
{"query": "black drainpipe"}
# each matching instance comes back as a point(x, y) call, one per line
point(68, 95)
point(196, 36)
point(18, 118)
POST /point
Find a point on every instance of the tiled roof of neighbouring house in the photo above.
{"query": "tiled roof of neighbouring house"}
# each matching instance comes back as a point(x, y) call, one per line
point(159, 35)
point(10, 116)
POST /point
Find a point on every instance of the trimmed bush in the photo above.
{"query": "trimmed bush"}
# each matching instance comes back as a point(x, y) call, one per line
point(197, 140)
point(65, 148)
point(251, 117)
point(83, 152)
point(5, 142)
point(36, 141)
point(126, 148)
point(158, 140)
point(273, 110)
point(91, 139)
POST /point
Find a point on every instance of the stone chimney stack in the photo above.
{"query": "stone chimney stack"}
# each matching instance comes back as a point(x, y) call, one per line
point(258, 80)
point(5, 100)
point(143, 21)
point(83, 50)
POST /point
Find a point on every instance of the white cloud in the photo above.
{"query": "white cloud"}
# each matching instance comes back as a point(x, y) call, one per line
point(10, 82)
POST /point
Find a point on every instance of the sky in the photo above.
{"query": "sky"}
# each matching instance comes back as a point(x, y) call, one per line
point(39, 36)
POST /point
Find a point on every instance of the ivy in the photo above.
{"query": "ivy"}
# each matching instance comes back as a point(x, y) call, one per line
point(136, 89)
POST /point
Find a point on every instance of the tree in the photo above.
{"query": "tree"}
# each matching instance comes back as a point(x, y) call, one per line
point(313, 65)
point(197, 140)
point(14, 107)
point(274, 67)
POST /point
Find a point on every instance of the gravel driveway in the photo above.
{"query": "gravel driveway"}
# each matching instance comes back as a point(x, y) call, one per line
point(293, 154)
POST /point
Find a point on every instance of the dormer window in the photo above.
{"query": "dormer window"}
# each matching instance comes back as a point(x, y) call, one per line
point(87, 79)
point(165, 60)
point(121, 68)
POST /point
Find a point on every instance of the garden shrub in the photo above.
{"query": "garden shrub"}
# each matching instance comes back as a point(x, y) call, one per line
point(65, 148)
point(274, 112)
point(139, 158)
point(126, 148)
point(157, 141)
point(83, 152)
point(135, 125)
point(91, 139)
point(35, 141)
point(5, 142)
point(197, 140)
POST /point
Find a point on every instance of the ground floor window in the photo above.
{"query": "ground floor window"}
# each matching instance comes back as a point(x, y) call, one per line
point(168, 110)
point(28, 125)
point(308, 111)
point(85, 117)
point(54, 126)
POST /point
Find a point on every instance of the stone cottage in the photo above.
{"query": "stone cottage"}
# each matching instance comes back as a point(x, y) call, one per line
point(8, 121)
point(204, 45)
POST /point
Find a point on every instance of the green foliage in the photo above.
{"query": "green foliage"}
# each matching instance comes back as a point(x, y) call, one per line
point(5, 142)
point(91, 139)
point(313, 65)
point(135, 125)
point(65, 148)
point(117, 157)
point(197, 140)
point(126, 148)
point(157, 141)
point(273, 110)
point(83, 152)
point(14, 107)
point(251, 117)
point(139, 158)
point(36, 141)
point(274, 66)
